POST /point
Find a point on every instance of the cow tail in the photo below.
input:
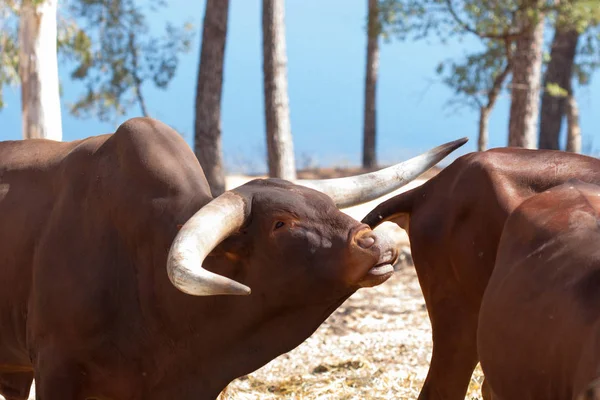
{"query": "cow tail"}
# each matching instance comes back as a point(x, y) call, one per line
point(394, 208)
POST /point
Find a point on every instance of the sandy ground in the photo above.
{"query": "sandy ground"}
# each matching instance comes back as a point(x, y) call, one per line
point(377, 345)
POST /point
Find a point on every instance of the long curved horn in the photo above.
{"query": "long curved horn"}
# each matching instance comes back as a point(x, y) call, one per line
point(208, 227)
point(353, 190)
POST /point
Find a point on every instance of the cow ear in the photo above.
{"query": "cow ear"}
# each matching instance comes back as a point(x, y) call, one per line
point(235, 248)
point(199, 236)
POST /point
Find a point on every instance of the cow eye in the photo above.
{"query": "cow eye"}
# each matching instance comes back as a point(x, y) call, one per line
point(278, 225)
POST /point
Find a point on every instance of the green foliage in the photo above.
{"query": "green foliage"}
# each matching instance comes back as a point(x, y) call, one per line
point(584, 17)
point(587, 59)
point(485, 18)
point(9, 56)
point(556, 91)
point(115, 55)
point(109, 45)
point(477, 78)
point(490, 19)
point(9, 60)
point(498, 23)
point(414, 19)
point(577, 14)
point(473, 78)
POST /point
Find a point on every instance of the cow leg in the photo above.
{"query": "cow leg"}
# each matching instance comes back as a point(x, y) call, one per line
point(454, 356)
point(15, 385)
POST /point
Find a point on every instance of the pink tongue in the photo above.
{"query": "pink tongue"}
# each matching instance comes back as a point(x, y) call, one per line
point(381, 269)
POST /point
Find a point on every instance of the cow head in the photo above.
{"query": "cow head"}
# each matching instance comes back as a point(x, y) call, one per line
point(292, 232)
point(298, 238)
point(293, 239)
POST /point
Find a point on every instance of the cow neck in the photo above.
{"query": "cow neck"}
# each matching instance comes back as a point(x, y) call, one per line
point(220, 338)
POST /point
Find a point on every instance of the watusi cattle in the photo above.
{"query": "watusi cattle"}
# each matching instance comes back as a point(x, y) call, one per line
point(454, 222)
point(539, 325)
point(122, 278)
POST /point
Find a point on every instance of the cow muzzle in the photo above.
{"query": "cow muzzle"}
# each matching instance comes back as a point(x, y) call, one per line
point(384, 249)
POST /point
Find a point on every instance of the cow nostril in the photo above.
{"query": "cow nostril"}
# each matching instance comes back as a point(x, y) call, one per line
point(366, 241)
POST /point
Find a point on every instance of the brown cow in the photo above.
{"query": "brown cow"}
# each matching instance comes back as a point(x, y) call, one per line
point(454, 222)
point(539, 325)
point(118, 269)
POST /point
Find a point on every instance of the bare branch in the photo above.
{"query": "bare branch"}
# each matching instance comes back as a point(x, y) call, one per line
point(136, 78)
point(497, 86)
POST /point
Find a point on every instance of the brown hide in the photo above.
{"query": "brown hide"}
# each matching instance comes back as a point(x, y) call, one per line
point(85, 301)
point(454, 224)
point(539, 324)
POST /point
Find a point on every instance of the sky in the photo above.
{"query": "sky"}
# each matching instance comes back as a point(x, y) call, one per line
point(326, 48)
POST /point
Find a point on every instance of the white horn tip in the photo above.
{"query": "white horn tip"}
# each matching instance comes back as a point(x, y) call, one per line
point(455, 144)
point(186, 279)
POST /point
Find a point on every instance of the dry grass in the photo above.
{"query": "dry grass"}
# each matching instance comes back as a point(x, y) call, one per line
point(377, 345)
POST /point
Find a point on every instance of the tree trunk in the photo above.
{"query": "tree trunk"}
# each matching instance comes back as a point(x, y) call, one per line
point(208, 94)
point(280, 146)
point(560, 72)
point(370, 117)
point(38, 71)
point(526, 82)
point(573, 128)
point(484, 116)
